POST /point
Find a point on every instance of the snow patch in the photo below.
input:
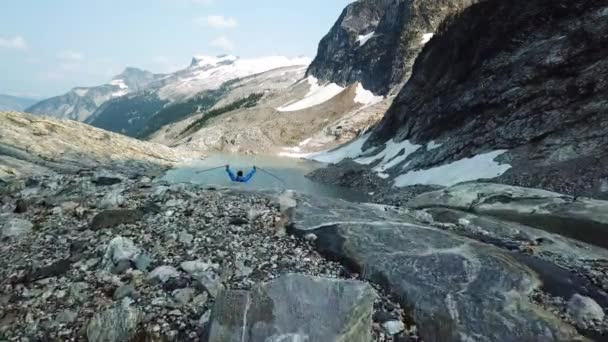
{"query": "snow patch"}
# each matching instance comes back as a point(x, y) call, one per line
point(433, 145)
point(304, 142)
point(119, 83)
point(468, 169)
point(350, 150)
point(390, 155)
point(426, 38)
point(366, 97)
point(81, 91)
point(316, 95)
point(364, 38)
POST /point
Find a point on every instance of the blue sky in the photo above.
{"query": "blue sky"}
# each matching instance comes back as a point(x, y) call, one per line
point(49, 47)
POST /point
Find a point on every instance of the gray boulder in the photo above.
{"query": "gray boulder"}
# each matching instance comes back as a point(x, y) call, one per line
point(585, 310)
point(295, 308)
point(578, 218)
point(119, 249)
point(455, 287)
point(116, 324)
point(15, 228)
point(163, 273)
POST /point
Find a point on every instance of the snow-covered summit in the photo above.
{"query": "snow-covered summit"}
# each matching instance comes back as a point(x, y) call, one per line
point(206, 73)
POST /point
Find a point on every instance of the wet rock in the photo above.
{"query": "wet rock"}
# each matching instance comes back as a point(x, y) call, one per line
point(20, 206)
point(116, 324)
point(585, 310)
point(150, 208)
point(16, 228)
point(393, 327)
point(162, 274)
point(123, 292)
point(120, 249)
point(55, 269)
point(323, 310)
point(106, 181)
point(113, 218)
point(238, 221)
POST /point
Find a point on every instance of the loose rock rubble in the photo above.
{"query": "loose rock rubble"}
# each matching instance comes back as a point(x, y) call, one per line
point(77, 266)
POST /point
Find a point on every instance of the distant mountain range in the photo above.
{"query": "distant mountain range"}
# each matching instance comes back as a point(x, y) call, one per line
point(79, 103)
point(8, 102)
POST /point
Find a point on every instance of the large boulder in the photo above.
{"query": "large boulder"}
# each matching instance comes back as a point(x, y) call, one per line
point(579, 218)
point(455, 288)
point(295, 308)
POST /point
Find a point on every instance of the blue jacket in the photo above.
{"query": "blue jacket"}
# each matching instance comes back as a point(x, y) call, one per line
point(242, 179)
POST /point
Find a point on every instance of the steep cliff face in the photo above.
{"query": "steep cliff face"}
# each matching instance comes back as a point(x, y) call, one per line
point(376, 42)
point(525, 76)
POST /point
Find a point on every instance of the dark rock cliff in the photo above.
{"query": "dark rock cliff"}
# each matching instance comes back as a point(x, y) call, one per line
point(528, 76)
point(394, 32)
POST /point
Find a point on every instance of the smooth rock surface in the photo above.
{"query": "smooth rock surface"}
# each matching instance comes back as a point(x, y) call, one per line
point(578, 218)
point(323, 310)
point(456, 287)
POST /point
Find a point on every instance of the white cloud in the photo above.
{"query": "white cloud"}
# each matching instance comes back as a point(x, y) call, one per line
point(69, 55)
point(223, 43)
point(217, 22)
point(16, 43)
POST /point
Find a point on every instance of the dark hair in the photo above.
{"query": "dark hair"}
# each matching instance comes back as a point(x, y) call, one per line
point(239, 173)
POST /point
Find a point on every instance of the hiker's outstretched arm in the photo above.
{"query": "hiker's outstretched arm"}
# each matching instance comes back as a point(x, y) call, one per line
point(249, 175)
point(230, 174)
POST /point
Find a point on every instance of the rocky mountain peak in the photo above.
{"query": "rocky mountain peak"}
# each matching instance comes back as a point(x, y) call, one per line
point(376, 42)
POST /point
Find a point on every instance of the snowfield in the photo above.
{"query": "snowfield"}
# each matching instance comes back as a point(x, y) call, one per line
point(366, 97)
point(362, 39)
point(207, 73)
point(468, 169)
point(316, 96)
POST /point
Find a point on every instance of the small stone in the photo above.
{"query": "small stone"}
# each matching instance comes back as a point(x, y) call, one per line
point(393, 327)
point(163, 273)
point(66, 316)
point(113, 218)
point(185, 238)
point(123, 292)
point(310, 237)
point(122, 267)
point(20, 206)
point(142, 262)
point(176, 283)
point(55, 269)
point(77, 291)
point(112, 200)
point(183, 296)
point(119, 249)
point(585, 310)
point(205, 318)
point(175, 313)
point(106, 181)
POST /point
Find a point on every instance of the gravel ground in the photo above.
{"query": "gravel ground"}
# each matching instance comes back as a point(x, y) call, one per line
point(80, 244)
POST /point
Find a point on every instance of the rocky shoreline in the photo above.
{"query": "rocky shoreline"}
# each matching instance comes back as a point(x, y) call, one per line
point(111, 258)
